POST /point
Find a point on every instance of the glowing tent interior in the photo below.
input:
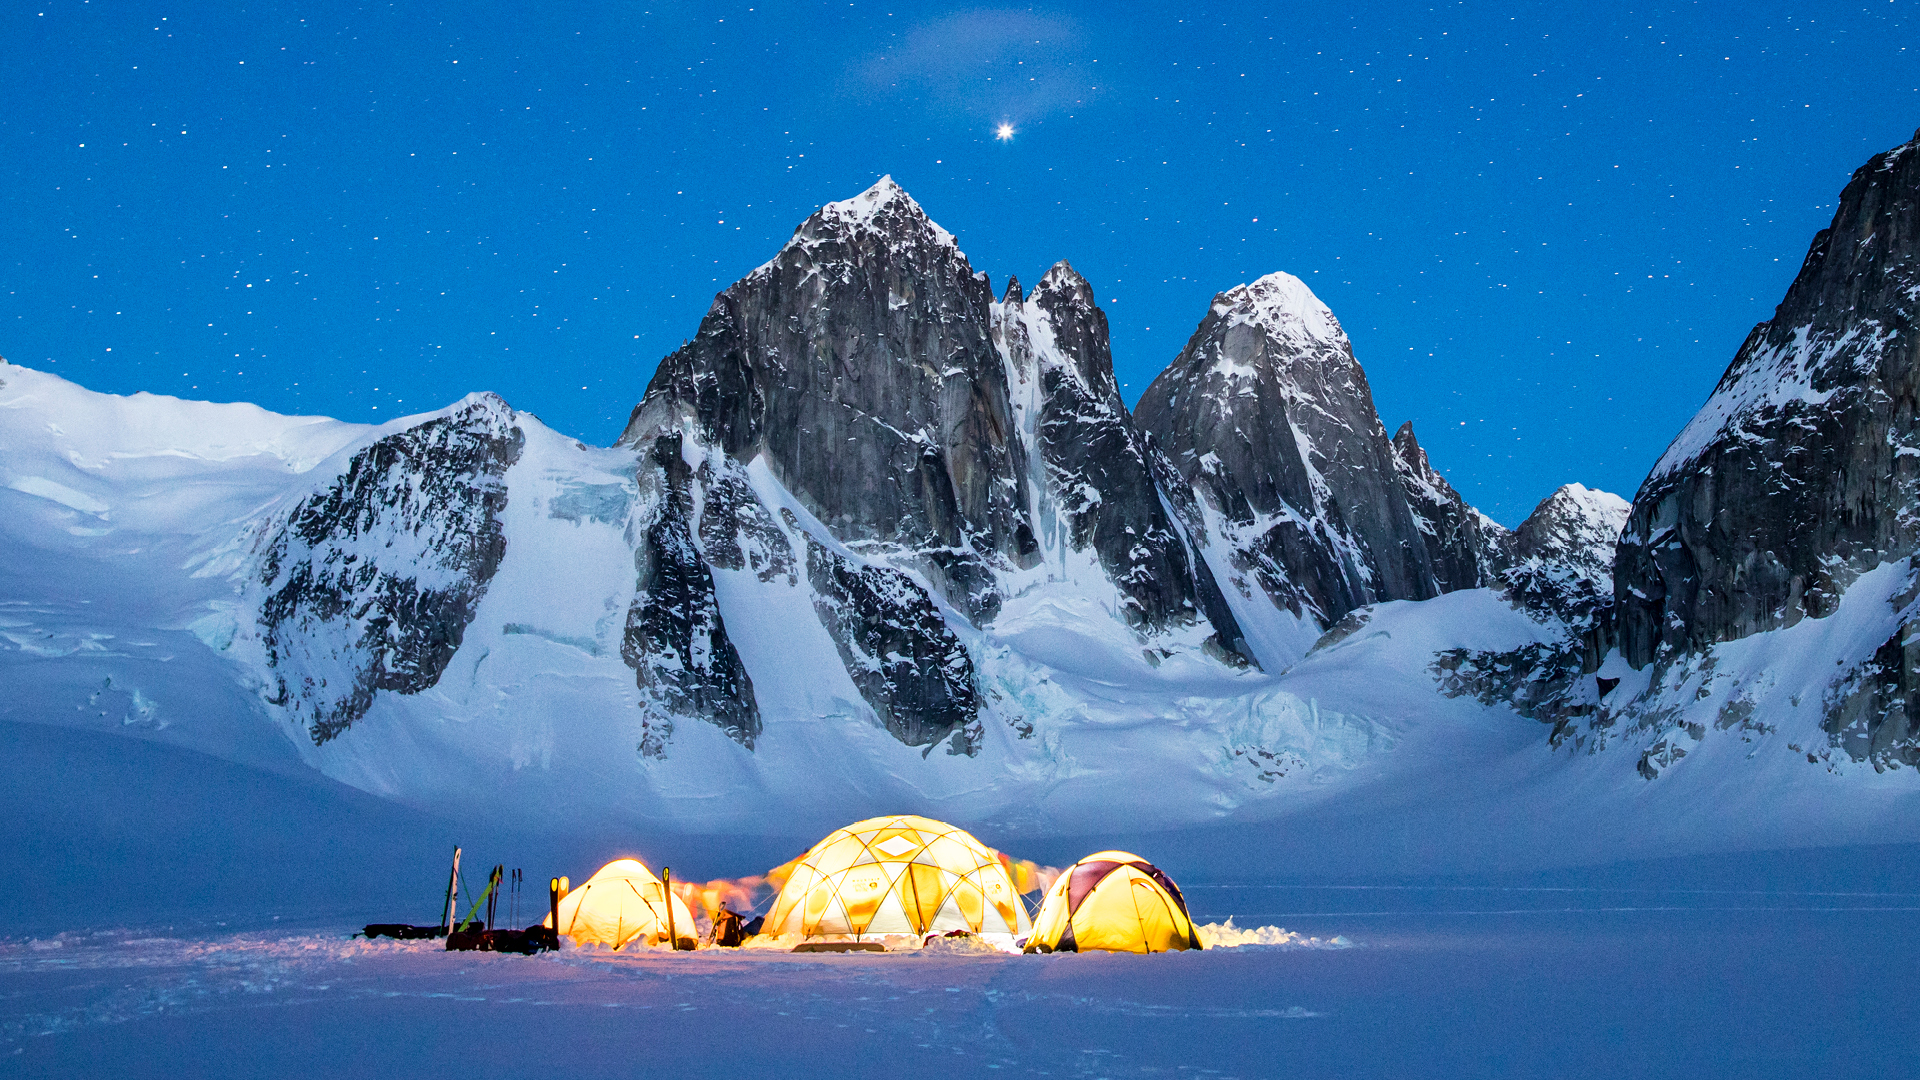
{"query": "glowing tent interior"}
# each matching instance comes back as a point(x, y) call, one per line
point(1114, 901)
point(624, 902)
point(898, 875)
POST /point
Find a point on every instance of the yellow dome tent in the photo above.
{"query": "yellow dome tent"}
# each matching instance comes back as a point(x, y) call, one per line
point(1115, 901)
point(897, 875)
point(621, 904)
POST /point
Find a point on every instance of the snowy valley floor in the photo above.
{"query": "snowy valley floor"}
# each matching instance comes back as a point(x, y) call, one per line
point(171, 914)
point(1628, 977)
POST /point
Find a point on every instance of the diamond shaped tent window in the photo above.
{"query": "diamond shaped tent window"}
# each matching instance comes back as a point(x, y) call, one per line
point(895, 847)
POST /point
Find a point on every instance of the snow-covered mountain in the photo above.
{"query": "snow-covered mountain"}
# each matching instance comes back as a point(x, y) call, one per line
point(862, 436)
point(1269, 418)
point(868, 512)
point(1767, 575)
point(369, 583)
point(1558, 572)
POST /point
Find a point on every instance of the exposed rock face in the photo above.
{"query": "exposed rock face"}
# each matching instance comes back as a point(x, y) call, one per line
point(1092, 483)
point(1229, 641)
point(902, 655)
point(1465, 547)
point(1563, 555)
point(947, 452)
point(1872, 713)
point(736, 532)
point(859, 364)
point(1268, 417)
point(1562, 578)
point(1800, 472)
point(370, 584)
point(676, 642)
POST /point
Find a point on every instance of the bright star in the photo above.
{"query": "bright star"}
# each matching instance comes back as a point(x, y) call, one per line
point(1004, 133)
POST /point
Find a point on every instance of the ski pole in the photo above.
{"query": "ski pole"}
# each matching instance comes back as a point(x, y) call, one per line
point(493, 892)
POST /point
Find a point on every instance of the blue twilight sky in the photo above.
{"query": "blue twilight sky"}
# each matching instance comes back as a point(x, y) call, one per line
point(1545, 226)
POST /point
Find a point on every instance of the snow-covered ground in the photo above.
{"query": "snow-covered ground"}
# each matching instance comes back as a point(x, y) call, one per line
point(180, 865)
point(1663, 970)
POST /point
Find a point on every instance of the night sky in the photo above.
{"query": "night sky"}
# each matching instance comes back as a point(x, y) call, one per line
point(1545, 229)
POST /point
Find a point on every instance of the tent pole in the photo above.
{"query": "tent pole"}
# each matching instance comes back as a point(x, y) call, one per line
point(666, 884)
point(453, 882)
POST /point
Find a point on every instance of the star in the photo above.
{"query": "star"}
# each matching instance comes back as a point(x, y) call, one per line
point(1004, 132)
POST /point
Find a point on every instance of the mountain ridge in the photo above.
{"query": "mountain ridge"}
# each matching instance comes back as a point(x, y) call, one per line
point(868, 511)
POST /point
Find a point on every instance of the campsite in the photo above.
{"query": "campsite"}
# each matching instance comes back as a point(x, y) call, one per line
point(1414, 979)
point(879, 885)
point(1116, 541)
point(244, 960)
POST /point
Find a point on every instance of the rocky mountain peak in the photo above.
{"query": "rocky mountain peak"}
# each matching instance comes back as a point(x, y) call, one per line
point(368, 584)
point(1466, 548)
point(1558, 572)
point(858, 363)
point(1062, 277)
point(1801, 473)
point(1285, 307)
point(1091, 473)
point(1407, 447)
point(882, 220)
point(1079, 328)
point(1270, 419)
point(884, 197)
point(1802, 470)
point(1576, 525)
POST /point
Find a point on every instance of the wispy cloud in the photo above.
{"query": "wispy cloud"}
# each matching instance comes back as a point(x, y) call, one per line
point(988, 65)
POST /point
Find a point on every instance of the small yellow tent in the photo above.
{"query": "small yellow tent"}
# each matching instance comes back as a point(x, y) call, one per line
point(621, 904)
point(1116, 901)
point(897, 875)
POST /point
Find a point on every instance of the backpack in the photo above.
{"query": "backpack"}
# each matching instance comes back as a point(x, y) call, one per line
point(728, 931)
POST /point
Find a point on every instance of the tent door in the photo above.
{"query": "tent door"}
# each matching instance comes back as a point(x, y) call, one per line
point(1156, 921)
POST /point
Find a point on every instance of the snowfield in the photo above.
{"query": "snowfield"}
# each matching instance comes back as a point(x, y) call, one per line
point(184, 864)
point(1634, 978)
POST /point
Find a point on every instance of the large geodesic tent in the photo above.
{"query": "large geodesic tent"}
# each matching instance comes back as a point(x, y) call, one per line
point(1113, 901)
point(897, 875)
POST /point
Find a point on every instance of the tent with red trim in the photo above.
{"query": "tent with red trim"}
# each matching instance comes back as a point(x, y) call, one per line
point(1114, 901)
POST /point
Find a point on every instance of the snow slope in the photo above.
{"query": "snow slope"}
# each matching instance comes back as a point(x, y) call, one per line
point(128, 612)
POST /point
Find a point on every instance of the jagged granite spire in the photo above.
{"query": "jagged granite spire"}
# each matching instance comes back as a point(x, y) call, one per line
point(858, 363)
point(1802, 470)
point(1268, 416)
point(1466, 548)
point(1092, 483)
